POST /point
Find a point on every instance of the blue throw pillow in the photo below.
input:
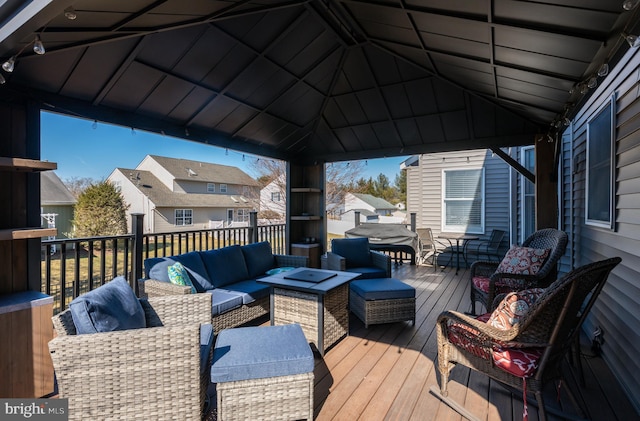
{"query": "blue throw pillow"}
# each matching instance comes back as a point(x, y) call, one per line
point(258, 258)
point(354, 250)
point(113, 306)
point(178, 275)
point(225, 266)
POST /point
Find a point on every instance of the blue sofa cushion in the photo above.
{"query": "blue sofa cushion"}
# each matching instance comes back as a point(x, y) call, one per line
point(157, 268)
point(258, 258)
point(354, 250)
point(260, 352)
point(112, 306)
point(197, 271)
point(248, 290)
point(368, 272)
point(225, 266)
point(381, 289)
point(206, 343)
point(223, 301)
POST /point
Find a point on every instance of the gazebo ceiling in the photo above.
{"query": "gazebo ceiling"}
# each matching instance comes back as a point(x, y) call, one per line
point(318, 80)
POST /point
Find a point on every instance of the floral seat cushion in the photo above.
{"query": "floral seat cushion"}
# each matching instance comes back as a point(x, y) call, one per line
point(482, 283)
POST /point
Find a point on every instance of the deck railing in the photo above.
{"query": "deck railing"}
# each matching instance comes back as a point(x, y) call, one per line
point(71, 267)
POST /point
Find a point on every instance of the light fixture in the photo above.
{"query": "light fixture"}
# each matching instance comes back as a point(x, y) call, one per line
point(593, 82)
point(584, 89)
point(633, 40)
point(603, 70)
point(2, 80)
point(70, 13)
point(630, 4)
point(38, 48)
point(8, 65)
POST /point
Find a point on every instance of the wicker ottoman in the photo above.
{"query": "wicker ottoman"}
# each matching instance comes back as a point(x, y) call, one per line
point(263, 373)
point(382, 300)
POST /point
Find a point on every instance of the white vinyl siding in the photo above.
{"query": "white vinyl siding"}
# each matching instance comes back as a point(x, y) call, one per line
point(463, 200)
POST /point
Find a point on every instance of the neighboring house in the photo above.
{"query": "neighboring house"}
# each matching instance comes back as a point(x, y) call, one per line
point(272, 198)
point(366, 215)
point(358, 201)
point(179, 194)
point(57, 204)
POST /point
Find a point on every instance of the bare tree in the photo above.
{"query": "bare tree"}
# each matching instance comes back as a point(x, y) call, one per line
point(272, 173)
point(77, 185)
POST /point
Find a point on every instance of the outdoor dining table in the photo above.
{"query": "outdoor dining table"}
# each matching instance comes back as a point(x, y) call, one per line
point(461, 240)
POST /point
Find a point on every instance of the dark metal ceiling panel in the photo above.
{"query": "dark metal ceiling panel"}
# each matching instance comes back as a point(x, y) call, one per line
point(320, 79)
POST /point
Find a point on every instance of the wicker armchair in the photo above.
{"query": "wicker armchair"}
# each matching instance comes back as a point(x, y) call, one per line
point(379, 266)
point(550, 326)
point(485, 292)
point(155, 373)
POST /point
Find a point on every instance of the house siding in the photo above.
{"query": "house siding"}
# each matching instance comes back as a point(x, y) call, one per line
point(64, 219)
point(424, 188)
point(617, 311)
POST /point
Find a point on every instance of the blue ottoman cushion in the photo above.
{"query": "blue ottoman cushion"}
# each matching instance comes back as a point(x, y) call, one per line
point(260, 352)
point(382, 289)
point(206, 343)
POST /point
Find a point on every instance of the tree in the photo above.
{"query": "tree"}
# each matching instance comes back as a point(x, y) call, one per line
point(400, 184)
point(100, 210)
point(77, 185)
point(339, 176)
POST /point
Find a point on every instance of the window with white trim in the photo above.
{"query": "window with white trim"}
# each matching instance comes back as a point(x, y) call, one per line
point(211, 187)
point(184, 217)
point(223, 188)
point(275, 196)
point(599, 194)
point(463, 200)
point(528, 194)
point(242, 215)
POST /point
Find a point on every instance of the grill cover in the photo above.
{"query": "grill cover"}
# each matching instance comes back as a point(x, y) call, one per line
point(393, 234)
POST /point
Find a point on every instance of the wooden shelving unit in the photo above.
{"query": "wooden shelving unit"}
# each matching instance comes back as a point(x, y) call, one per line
point(24, 164)
point(25, 315)
point(305, 204)
point(25, 233)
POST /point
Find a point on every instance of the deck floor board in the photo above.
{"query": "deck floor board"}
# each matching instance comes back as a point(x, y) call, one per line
point(385, 372)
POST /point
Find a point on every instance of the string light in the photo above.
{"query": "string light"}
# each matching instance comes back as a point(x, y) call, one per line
point(133, 131)
point(94, 125)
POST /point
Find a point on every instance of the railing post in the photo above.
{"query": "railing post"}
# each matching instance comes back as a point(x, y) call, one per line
point(356, 216)
point(136, 261)
point(413, 221)
point(253, 227)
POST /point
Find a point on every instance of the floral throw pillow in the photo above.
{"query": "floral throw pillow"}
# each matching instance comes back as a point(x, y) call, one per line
point(523, 260)
point(513, 307)
point(178, 275)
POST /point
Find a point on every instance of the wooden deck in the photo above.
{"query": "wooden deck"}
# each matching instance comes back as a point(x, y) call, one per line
point(385, 372)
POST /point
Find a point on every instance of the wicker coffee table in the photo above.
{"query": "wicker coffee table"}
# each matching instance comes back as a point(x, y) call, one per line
point(320, 306)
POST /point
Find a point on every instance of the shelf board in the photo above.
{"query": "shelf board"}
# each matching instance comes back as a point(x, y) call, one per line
point(25, 233)
point(24, 164)
point(305, 218)
point(305, 190)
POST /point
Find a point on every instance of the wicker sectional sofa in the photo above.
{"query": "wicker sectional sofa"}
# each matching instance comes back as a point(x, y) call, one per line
point(229, 274)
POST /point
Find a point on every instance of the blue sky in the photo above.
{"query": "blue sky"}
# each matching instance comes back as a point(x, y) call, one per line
point(80, 150)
